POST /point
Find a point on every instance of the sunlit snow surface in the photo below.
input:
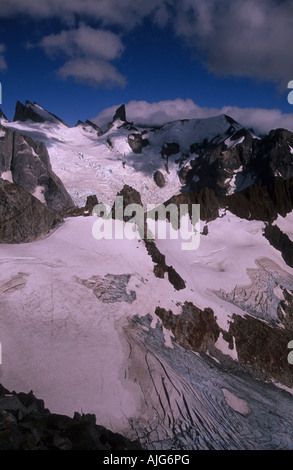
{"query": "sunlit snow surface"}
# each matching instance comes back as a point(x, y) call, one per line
point(91, 164)
point(84, 351)
point(77, 315)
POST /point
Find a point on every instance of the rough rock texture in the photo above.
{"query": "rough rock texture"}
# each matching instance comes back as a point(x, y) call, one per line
point(193, 328)
point(161, 267)
point(137, 142)
point(159, 179)
point(23, 218)
point(263, 348)
point(25, 424)
point(28, 163)
point(120, 113)
point(240, 161)
point(90, 124)
point(30, 111)
point(130, 196)
point(281, 242)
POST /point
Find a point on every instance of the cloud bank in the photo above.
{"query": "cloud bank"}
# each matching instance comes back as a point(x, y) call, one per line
point(148, 114)
point(243, 38)
point(89, 51)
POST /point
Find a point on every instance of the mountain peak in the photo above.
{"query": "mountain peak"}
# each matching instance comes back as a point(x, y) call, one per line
point(120, 113)
point(34, 112)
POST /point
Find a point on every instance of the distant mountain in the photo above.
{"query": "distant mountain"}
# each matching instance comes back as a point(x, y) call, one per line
point(35, 113)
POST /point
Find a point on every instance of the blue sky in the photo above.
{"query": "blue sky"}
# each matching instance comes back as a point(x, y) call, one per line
point(168, 59)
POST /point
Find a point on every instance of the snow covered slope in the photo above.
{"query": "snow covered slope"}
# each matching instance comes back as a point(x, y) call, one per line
point(181, 349)
point(79, 326)
point(89, 163)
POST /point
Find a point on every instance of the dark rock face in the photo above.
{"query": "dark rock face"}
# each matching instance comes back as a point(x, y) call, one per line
point(89, 123)
point(262, 347)
point(22, 113)
point(130, 196)
point(193, 328)
point(2, 115)
point(30, 167)
point(170, 148)
point(25, 424)
point(120, 113)
point(136, 142)
point(231, 168)
point(161, 267)
point(159, 179)
point(23, 218)
point(29, 111)
point(281, 242)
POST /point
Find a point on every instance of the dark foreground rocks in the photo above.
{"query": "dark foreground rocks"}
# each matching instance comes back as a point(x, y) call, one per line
point(25, 424)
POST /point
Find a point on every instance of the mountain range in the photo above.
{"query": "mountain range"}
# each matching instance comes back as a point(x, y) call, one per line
point(175, 349)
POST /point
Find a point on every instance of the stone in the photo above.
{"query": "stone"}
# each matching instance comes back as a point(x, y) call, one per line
point(23, 218)
point(159, 179)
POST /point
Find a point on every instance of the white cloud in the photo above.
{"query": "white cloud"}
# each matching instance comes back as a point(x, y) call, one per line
point(84, 41)
point(97, 73)
point(245, 38)
point(127, 13)
point(154, 114)
point(89, 51)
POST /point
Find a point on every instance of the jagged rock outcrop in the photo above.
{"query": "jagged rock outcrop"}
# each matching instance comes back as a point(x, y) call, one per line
point(281, 242)
point(23, 218)
point(263, 348)
point(130, 196)
point(137, 142)
point(241, 160)
point(120, 114)
point(34, 112)
point(193, 328)
point(25, 424)
point(27, 163)
point(91, 125)
point(2, 115)
point(161, 267)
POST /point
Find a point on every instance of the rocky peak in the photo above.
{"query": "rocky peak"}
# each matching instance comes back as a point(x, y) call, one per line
point(34, 112)
point(120, 114)
point(26, 162)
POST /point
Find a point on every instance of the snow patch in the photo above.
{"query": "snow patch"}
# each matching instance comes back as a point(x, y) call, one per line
point(7, 175)
point(238, 404)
